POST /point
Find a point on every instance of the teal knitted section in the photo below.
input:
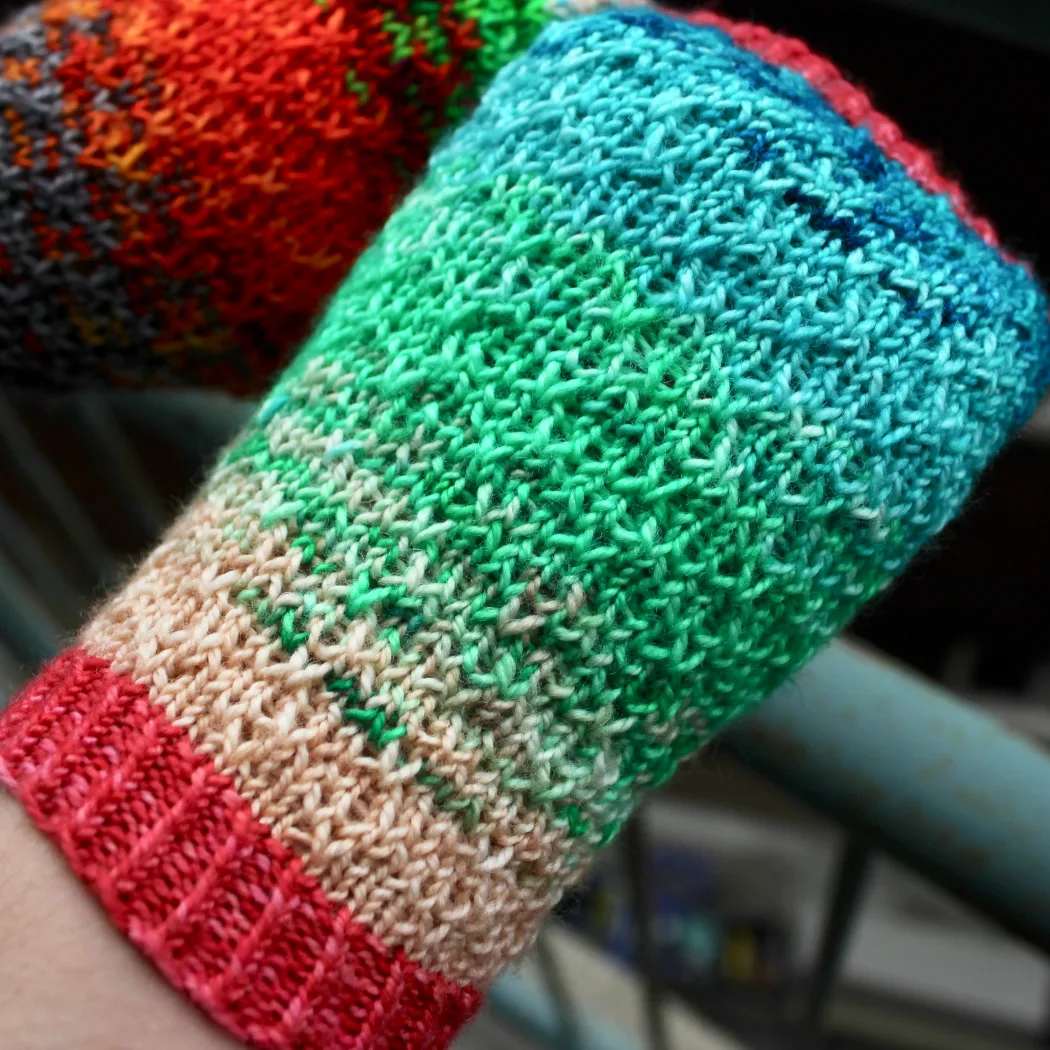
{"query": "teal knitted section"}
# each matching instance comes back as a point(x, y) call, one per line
point(659, 375)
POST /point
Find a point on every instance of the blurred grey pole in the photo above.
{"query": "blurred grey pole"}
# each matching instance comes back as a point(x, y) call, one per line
point(44, 480)
point(557, 987)
point(27, 632)
point(29, 554)
point(844, 907)
point(636, 845)
point(109, 444)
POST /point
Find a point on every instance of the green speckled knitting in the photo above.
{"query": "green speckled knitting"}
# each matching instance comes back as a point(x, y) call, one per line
point(639, 397)
point(663, 370)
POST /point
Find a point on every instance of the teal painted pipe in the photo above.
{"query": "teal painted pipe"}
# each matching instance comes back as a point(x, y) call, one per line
point(931, 780)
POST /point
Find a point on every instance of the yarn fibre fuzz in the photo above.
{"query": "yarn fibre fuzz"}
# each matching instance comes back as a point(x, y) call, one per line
point(659, 375)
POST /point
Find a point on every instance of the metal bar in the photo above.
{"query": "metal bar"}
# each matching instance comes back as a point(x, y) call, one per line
point(29, 553)
point(851, 880)
point(558, 989)
point(109, 445)
point(38, 472)
point(606, 996)
point(26, 631)
point(635, 846)
point(525, 1007)
point(930, 780)
point(10, 675)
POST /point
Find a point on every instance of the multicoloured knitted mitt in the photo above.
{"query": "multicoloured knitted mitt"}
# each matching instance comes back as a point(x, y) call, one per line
point(665, 368)
point(183, 181)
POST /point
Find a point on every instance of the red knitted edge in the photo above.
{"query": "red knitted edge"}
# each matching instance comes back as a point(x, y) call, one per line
point(854, 105)
point(184, 868)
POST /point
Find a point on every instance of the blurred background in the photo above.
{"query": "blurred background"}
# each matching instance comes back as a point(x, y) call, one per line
point(732, 915)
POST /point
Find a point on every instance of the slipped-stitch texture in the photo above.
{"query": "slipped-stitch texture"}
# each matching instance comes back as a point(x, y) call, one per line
point(663, 370)
point(182, 182)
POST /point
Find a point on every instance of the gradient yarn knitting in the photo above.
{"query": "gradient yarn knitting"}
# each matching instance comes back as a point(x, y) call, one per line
point(182, 182)
point(661, 374)
point(663, 370)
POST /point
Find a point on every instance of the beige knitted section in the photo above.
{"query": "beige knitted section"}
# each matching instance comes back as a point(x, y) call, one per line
point(463, 903)
point(487, 747)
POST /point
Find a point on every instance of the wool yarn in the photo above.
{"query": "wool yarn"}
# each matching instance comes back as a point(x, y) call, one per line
point(663, 370)
point(182, 182)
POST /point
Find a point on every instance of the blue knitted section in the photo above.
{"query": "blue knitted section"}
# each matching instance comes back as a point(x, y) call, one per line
point(767, 224)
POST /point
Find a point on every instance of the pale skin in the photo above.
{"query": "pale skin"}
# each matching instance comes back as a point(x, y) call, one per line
point(68, 979)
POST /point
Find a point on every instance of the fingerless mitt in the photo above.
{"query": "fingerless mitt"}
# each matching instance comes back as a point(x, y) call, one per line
point(665, 368)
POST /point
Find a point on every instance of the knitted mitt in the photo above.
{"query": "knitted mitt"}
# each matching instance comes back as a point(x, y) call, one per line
point(183, 181)
point(663, 370)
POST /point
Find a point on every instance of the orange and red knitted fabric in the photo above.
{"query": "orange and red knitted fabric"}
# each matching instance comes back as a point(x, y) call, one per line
point(674, 358)
point(182, 182)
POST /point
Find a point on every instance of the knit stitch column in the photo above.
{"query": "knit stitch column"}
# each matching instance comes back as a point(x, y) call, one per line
point(665, 368)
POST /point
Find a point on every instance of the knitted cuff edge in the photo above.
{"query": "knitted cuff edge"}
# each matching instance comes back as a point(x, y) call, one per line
point(183, 867)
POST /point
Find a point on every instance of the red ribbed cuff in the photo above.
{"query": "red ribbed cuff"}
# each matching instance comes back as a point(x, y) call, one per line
point(184, 868)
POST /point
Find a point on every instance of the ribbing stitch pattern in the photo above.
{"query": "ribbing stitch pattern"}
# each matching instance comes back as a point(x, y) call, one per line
point(664, 369)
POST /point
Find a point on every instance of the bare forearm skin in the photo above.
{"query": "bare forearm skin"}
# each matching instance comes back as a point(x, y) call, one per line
point(68, 979)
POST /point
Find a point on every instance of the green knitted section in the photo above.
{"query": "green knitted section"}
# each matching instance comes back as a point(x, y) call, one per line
point(421, 314)
point(499, 29)
point(505, 28)
point(622, 417)
point(422, 30)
